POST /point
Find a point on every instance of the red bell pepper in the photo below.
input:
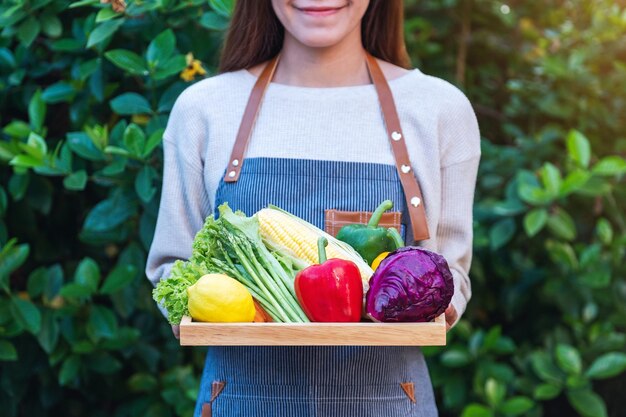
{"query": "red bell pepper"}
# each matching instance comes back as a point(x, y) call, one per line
point(331, 291)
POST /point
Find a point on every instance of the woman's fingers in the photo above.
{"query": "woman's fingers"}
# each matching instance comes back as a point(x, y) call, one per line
point(176, 331)
point(451, 316)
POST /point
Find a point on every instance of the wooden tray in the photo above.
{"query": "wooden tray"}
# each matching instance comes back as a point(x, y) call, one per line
point(313, 334)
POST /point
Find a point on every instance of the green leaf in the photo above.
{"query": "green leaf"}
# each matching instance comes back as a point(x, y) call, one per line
point(7, 351)
point(7, 60)
point(69, 370)
point(574, 181)
point(88, 274)
point(134, 139)
point(477, 410)
point(83, 3)
point(495, 392)
point(104, 31)
point(118, 278)
point(561, 224)
point(116, 150)
point(599, 277)
point(604, 231)
point(587, 403)
point(37, 111)
point(28, 31)
point(3, 202)
point(67, 45)
point(26, 161)
point(214, 21)
point(171, 66)
point(104, 363)
point(568, 359)
point(26, 314)
point(551, 179)
point(130, 103)
point(102, 323)
point(11, 258)
point(578, 148)
point(17, 129)
point(610, 166)
point(49, 334)
point(142, 383)
point(607, 366)
point(223, 7)
point(128, 61)
point(143, 183)
point(153, 141)
point(455, 358)
point(106, 14)
point(545, 369)
point(51, 25)
point(18, 184)
point(545, 392)
point(517, 406)
point(534, 221)
point(37, 282)
point(76, 181)
point(76, 291)
point(109, 213)
point(58, 92)
point(162, 47)
point(83, 146)
point(501, 233)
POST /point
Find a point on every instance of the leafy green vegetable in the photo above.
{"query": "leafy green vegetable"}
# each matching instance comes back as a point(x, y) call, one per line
point(232, 245)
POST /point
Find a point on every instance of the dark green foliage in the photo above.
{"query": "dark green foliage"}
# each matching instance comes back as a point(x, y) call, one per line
point(85, 91)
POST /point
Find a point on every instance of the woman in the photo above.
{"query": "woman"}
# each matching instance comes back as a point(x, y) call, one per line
point(319, 141)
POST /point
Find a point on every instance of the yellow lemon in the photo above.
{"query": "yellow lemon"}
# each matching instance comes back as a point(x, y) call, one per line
point(218, 298)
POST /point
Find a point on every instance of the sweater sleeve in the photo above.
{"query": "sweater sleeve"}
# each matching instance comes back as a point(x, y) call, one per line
point(184, 200)
point(460, 139)
point(455, 230)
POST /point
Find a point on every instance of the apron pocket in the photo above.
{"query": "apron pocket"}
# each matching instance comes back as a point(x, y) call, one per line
point(336, 219)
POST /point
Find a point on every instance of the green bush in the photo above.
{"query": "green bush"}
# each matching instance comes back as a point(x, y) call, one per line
point(85, 90)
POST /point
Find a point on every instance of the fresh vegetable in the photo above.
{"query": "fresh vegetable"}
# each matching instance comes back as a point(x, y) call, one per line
point(399, 243)
point(411, 284)
point(171, 293)
point(379, 259)
point(218, 298)
point(232, 245)
point(285, 231)
point(370, 240)
point(331, 291)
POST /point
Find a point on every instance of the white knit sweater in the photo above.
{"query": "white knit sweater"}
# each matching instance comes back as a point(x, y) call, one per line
point(336, 123)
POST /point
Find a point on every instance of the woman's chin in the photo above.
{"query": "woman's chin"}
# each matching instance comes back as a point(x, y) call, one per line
point(322, 38)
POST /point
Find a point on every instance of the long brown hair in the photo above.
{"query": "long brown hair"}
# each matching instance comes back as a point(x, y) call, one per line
point(256, 35)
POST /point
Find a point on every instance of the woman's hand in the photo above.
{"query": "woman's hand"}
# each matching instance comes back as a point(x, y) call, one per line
point(451, 316)
point(176, 331)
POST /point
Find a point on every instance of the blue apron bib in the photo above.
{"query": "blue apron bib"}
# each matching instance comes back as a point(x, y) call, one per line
point(345, 381)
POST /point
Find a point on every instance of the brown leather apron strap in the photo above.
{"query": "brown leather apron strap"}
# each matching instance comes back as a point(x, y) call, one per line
point(412, 192)
point(247, 122)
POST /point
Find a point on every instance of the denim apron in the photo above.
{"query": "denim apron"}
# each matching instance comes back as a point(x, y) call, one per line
point(314, 381)
point(345, 381)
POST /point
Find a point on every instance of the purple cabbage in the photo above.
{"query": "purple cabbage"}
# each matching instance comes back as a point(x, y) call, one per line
point(411, 284)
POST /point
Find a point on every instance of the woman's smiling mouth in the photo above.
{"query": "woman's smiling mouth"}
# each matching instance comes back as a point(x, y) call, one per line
point(319, 11)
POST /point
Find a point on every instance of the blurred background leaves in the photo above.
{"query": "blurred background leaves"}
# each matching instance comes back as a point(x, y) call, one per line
point(85, 91)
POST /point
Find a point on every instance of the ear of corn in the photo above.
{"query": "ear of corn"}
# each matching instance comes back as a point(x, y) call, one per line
point(282, 229)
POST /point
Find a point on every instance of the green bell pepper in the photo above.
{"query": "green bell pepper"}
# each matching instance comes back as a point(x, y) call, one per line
point(370, 240)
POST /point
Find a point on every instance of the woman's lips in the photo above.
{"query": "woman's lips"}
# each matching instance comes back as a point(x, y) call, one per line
point(320, 11)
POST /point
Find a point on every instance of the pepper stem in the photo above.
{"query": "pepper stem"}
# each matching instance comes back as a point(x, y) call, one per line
point(395, 236)
point(321, 249)
point(378, 213)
